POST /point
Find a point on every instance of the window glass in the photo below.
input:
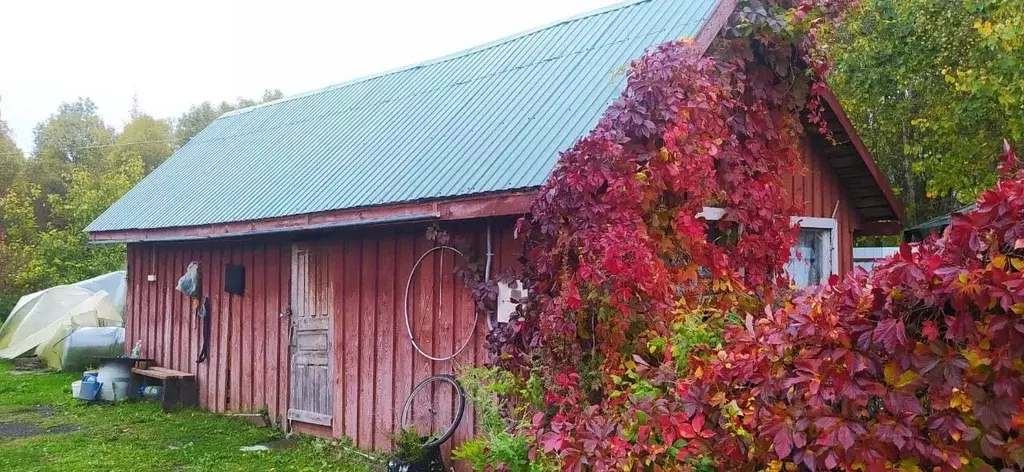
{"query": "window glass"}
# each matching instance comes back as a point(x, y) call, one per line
point(810, 260)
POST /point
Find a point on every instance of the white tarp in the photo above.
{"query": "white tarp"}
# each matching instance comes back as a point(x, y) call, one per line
point(38, 317)
point(94, 313)
point(114, 283)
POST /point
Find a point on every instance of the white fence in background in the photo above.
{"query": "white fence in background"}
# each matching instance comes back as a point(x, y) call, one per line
point(868, 257)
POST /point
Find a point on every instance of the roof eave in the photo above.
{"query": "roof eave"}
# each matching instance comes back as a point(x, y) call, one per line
point(478, 206)
point(869, 162)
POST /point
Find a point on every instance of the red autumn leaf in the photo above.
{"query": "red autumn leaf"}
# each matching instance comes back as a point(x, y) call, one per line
point(698, 422)
point(783, 443)
point(686, 431)
point(890, 333)
point(552, 442)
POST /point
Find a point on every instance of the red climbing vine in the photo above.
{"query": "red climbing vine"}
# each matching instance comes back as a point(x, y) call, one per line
point(620, 260)
point(660, 340)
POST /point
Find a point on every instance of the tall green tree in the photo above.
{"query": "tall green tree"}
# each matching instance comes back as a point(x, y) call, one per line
point(20, 238)
point(75, 137)
point(923, 83)
point(75, 134)
point(146, 137)
point(12, 161)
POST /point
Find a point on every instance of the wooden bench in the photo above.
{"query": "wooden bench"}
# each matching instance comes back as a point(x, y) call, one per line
point(179, 388)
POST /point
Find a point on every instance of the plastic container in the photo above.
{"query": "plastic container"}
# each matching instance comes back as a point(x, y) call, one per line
point(76, 389)
point(83, 345)
point(115, 377)
point(120, 391)
point(89, 391)
point(151, 391)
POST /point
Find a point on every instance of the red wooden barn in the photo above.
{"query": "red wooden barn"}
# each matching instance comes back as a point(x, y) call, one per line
point(323, 198)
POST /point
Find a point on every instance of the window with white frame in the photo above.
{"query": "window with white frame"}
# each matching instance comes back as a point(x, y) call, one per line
point(815, 256)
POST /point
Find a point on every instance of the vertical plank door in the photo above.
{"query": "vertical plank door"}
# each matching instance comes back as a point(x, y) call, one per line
point(311, 370)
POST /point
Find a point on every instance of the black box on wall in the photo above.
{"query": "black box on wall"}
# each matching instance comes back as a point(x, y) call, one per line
point(234, 279)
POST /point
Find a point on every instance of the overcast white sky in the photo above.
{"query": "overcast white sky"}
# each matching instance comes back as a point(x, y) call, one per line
point(173, 54)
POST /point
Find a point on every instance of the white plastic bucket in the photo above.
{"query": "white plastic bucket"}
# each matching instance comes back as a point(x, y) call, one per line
point(76, 388)
point(115, 377)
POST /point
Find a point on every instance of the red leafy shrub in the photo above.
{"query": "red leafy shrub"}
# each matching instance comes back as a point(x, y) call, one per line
point(918, 365)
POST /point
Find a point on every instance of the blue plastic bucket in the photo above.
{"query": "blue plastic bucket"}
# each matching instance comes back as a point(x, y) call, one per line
point(89, 390)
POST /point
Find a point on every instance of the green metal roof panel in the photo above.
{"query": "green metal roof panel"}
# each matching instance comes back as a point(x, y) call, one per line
point(492, 118)
point(935, 225)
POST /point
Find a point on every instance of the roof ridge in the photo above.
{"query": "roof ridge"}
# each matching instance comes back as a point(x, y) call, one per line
point(448, 57)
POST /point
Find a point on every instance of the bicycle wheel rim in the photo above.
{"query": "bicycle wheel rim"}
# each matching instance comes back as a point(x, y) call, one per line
point(459, 410)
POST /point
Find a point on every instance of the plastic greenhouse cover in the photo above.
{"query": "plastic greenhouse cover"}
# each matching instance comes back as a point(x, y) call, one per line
point(36, 315)
point(114, 283)
point(95, 310)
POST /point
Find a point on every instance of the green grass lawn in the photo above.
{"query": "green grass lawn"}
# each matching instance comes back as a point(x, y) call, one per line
point(73, 436)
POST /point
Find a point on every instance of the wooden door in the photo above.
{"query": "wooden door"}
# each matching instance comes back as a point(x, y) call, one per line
point(312, 373)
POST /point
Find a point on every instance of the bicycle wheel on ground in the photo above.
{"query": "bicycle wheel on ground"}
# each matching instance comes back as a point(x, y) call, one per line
point(434, 409)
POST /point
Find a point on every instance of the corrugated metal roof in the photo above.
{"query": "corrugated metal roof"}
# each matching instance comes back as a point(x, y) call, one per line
point(492, 118)
point(935, 225)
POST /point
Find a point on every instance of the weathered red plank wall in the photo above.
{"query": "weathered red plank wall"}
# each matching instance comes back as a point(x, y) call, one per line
point(820, 194)
point(375, 364)
point(245, 368)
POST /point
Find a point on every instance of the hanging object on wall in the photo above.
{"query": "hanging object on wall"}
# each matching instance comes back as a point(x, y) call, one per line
point(204, 316)
point(510, 296)
point(234, 279)
point(408, 314)
point(190, 283)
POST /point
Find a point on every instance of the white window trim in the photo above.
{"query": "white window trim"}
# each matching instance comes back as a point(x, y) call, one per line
point(813, 222)
point(810, 222)
point(712, 213)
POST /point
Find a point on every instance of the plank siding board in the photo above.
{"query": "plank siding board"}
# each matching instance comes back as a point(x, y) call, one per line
point(384, 324)
point(284, 329)
point(405, 257)
point(272, 303)
point(443, 323)
point(421, 304)
point(247, 327)
point(147, 332)
point(341, 281)
point(462, 322)
point(176, 331)
point(367, 315)
point(350, 326)
point(202, 369)
point(223, 330)
point(256, 290)
point(235, 347)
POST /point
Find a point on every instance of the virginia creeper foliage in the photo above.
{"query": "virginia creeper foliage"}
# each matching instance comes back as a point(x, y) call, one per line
point(916, 366)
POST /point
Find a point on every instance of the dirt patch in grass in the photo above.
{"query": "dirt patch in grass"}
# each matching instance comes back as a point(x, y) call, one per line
point(18, 430)
point(62, 428)
point(24, 430)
